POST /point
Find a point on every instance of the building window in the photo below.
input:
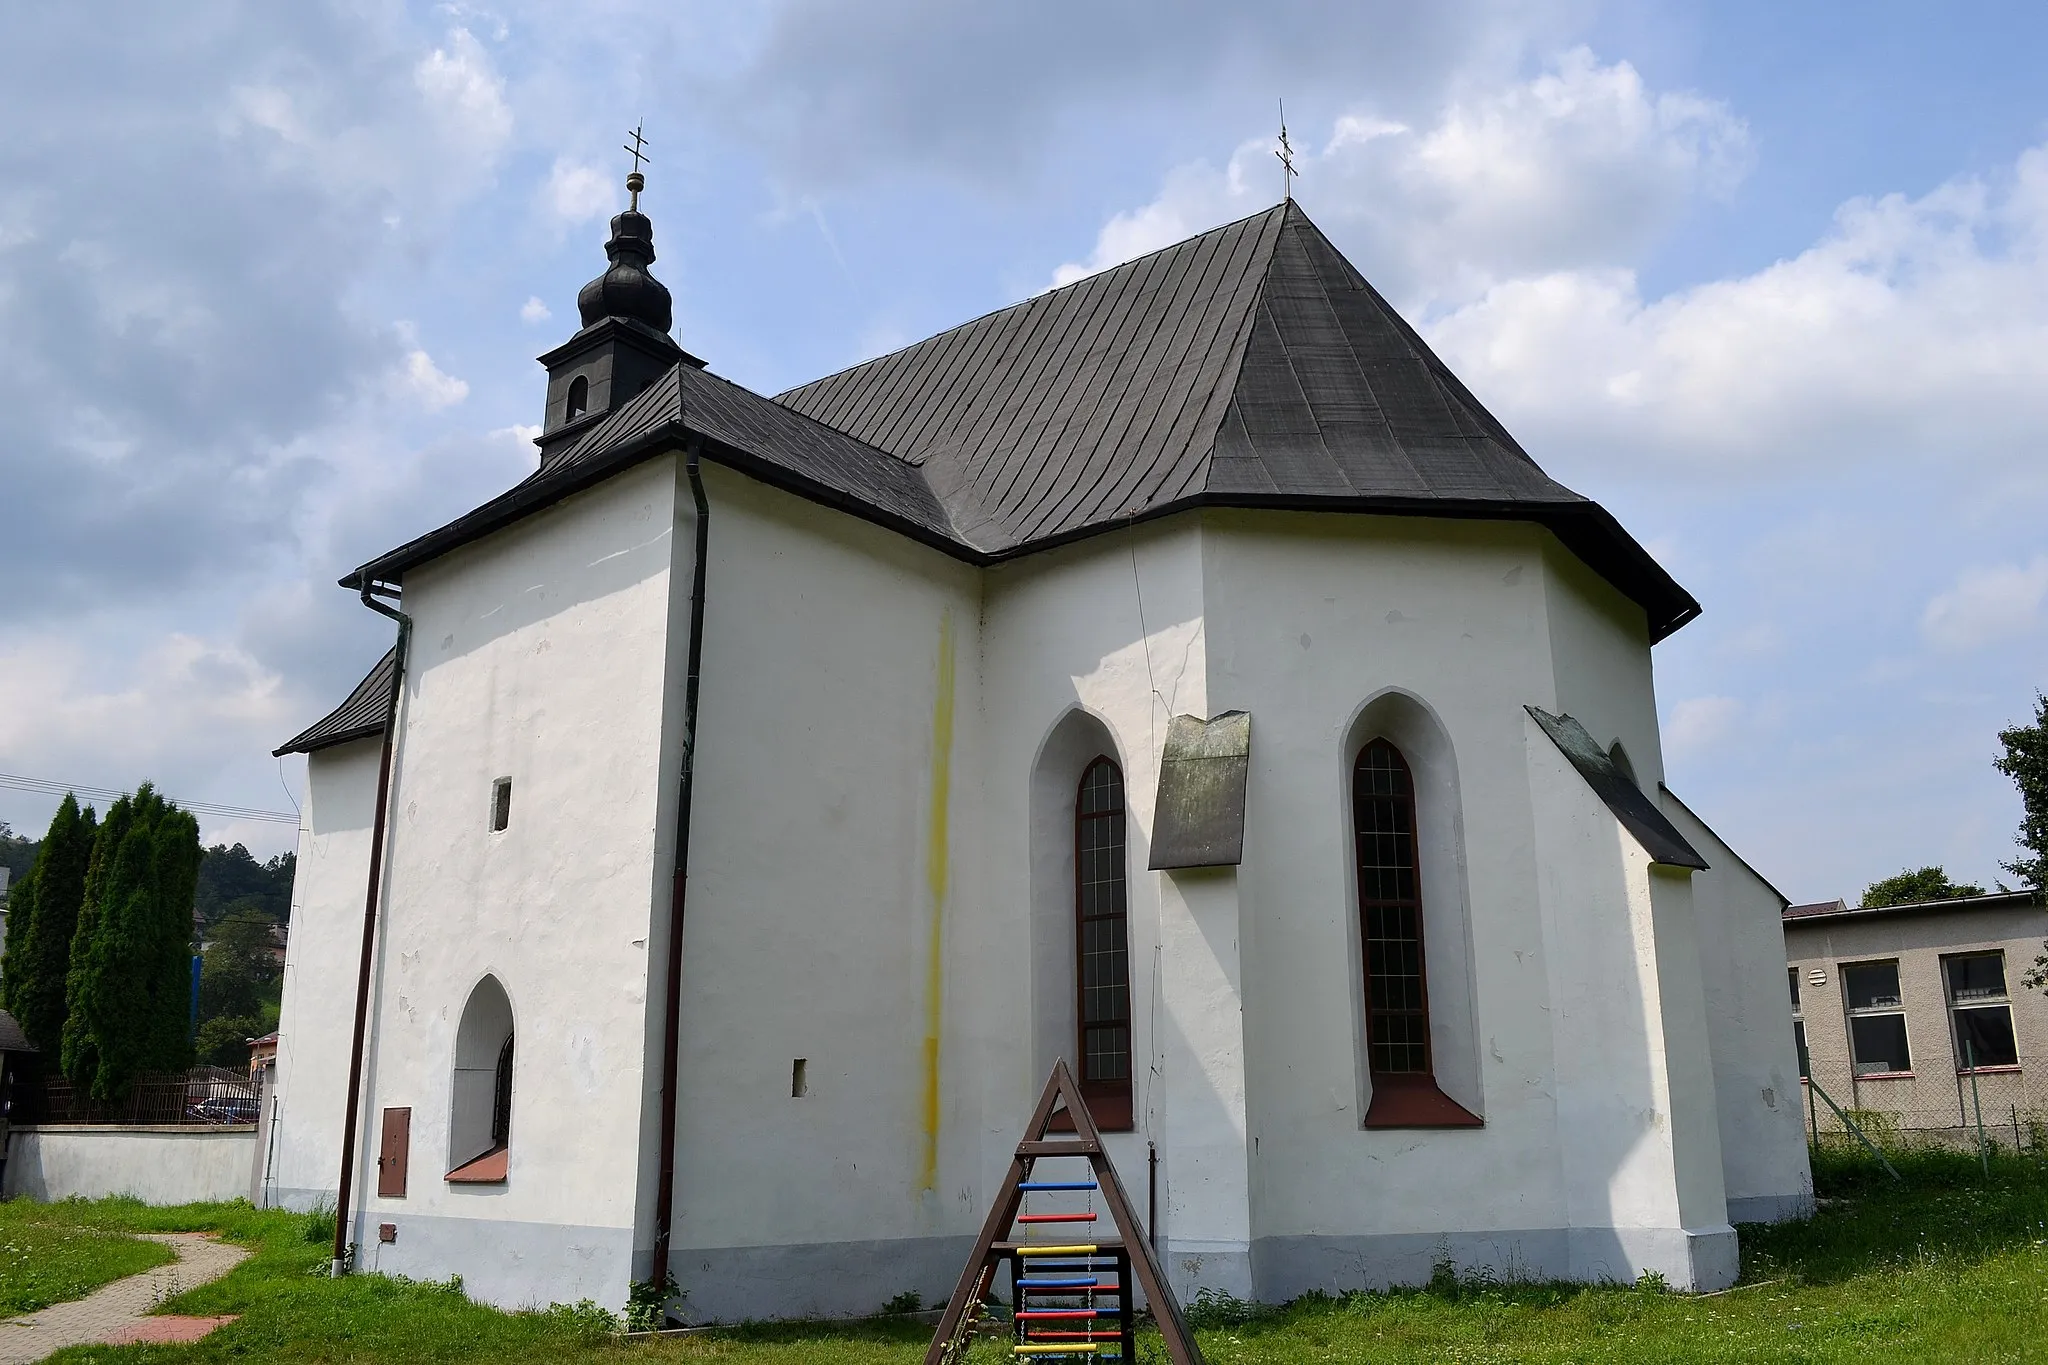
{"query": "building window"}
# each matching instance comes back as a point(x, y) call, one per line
point(1102, 938)
point(1390, 913)
point(1981, 1010)
point(480, 1109)
point(501, 805)
point(579, 399)
point(1877, 1019)
point(1799, 1026)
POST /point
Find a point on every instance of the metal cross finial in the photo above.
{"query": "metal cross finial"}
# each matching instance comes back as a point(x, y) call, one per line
point(635, 181)
point(1286, 154)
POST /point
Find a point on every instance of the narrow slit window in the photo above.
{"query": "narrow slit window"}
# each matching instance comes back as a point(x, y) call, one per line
point(799, 1078)
point(1102, 941)
point(501, 805)
point(1390, 913)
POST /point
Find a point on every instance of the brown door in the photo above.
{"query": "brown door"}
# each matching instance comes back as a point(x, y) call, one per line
point(392, 1156)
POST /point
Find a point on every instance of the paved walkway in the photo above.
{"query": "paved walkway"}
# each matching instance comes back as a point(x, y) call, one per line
point(121, 1311)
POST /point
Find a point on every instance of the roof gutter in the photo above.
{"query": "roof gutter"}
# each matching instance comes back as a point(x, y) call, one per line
point(672, 1008)
point(339, 1265)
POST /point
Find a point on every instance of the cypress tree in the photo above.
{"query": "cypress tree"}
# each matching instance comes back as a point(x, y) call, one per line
point(21, 913)
point(130, 979)
point(40, 926)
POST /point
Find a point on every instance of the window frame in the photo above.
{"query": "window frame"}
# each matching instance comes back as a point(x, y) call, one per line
point(1110, 1099)
point(1406, 1098)
point(1958, 1007)
point(1852, 1012)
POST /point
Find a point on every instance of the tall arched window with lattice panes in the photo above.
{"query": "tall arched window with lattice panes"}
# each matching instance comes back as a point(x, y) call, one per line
point(1102, 944)
point(1390, 922)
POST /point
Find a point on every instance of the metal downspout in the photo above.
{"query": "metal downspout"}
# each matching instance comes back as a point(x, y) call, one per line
point(338, 1265)
point(671, 1036)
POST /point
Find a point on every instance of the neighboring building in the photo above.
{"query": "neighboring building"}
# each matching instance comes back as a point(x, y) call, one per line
point(6, 875)
point(1892, 1004)
point(1179, 673)
point(16, 1056)
point(262, 1055)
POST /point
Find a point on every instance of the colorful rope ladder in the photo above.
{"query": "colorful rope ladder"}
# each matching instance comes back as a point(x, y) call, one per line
point(1071, 1288)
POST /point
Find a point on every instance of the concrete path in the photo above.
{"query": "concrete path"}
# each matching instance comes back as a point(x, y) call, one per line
point(121, 1311)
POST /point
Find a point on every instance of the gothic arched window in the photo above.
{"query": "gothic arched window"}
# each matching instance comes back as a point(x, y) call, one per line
point(1102, 940)
point(1390, 913)
point(480, 1111)
point(579, 399)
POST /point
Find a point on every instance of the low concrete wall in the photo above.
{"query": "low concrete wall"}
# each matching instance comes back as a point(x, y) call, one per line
point(158, 1165)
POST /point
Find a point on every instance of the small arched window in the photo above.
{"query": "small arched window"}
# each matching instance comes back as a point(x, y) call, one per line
point(1102, 940)
point(579, 399)
point(480, 1111)
point(1390, 913)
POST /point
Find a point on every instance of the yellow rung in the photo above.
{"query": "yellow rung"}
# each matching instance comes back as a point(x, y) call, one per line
point(1057, 1251)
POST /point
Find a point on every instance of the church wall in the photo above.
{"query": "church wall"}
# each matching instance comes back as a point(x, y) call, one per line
point(1312, 619)
point(831, 901)
point(538, 655)
point(1600, 653)
point(317, 1018)
point(1106, 637)
point(1749, 1024)
point(1312, 622)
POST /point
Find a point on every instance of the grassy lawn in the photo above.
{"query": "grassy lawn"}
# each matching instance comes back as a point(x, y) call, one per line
point(47, 1257)
point(1950, 1267)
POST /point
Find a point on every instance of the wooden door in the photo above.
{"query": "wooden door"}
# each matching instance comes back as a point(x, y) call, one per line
point(393, 1155)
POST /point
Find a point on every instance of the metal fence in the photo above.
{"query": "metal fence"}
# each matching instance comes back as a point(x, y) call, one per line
point(1991, 1106)
point(206, 1096)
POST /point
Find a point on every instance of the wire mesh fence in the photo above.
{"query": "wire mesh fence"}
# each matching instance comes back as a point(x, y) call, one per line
point(206, 1096)
point(1961, 1112)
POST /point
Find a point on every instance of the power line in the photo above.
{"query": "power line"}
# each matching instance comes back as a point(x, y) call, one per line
point(43, 786)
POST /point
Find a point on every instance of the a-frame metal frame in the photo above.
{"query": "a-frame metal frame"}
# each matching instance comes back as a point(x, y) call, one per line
point(1063, 1095)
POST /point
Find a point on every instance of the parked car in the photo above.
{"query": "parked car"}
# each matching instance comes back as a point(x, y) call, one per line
point(224, 1109)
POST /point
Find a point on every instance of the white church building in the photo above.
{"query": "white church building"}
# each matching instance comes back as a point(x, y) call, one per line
point(1178, 673)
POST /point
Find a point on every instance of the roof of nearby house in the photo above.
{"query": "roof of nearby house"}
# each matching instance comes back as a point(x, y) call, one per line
point(359, 717)
point(1250, 366)
point(1638, 815)
point(1996, 900)
point(12, 1039)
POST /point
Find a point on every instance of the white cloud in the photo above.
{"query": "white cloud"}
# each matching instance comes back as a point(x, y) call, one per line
point(533, 310)
point(426, 384)
point(1917, 327)
point(577, 193)
point(461, 85)
point(1699, 723)
point(1988, 605)
point(1582, 164)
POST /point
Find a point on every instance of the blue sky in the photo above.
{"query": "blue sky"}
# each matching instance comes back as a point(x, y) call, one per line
point(1770, 281)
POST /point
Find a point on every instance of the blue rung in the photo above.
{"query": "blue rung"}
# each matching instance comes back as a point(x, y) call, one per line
point(1031, 1185)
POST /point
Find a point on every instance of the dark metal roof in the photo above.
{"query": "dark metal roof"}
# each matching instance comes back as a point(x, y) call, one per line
point(1637, 813)
point(1251, 366)
point(1996, 900)
point(12, 1039)
point(360, 717)
point(1198, 820)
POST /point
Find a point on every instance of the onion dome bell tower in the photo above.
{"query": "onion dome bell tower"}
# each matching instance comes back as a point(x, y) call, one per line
point(624, 343)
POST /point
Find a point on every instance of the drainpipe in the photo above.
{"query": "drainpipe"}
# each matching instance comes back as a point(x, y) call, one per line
point(338, 1266)
point(671, 1030)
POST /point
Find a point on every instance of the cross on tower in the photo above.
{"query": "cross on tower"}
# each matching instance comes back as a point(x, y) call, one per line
point(634, 180)
point(1286, 154)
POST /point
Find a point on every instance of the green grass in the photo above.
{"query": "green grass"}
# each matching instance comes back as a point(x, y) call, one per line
point(1948, 1267)
point(46, 1257)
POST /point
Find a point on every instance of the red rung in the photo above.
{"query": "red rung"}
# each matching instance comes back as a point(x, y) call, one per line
point(1055, 1217)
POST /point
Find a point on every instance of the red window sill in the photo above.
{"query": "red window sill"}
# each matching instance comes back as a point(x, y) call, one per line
point(1415, 1102)
point(1884, 1076)
point(488, 1169)
point(2012, 1070)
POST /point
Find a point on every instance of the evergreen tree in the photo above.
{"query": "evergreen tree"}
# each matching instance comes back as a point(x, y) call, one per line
point(130, 981)
point(42, 918)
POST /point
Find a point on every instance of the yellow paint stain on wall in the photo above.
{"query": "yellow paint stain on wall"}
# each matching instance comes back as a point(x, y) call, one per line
point(936, 872)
